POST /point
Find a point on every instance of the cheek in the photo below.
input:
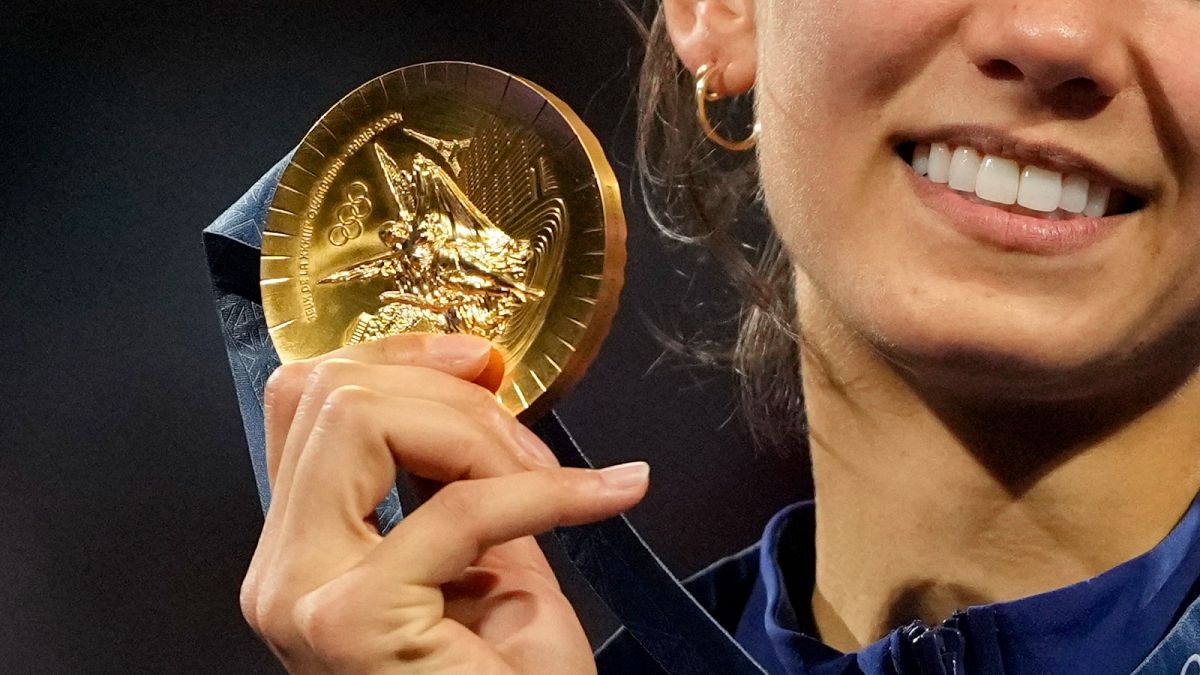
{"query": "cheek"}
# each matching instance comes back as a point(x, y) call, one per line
point(847, 54)
point(1171, 61)
point(1167, 66)
point(827, 71)
point(1174, 89)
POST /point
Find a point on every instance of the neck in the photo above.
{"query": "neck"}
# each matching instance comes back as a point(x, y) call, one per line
point(926, 506)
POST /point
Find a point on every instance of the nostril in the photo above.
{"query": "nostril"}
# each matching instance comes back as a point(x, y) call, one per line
point(1077, 98)
point(1001, 70)
point(1079, 82)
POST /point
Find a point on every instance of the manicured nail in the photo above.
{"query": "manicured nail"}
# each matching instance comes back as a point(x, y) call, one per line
point(532, 446)
point(626, 476)
point(459, 348)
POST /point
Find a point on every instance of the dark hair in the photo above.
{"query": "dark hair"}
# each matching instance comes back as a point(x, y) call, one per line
point(699, 194)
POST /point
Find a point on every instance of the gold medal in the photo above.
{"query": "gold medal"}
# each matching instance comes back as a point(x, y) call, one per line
point(449, 197)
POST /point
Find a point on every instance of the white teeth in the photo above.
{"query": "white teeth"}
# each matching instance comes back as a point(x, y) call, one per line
point(964, 169)
point(1097, 203)
point(920, 161)
point(939, 163)
point(1003, 181)
point(1040, 190)
point(1074, 194)
point(999, 180)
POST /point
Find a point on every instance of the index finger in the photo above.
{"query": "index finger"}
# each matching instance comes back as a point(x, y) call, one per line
point(458, 354)
point(437, 541)
point(464, 356)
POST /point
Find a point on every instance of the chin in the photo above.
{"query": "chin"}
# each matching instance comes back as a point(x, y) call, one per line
point(999, 347)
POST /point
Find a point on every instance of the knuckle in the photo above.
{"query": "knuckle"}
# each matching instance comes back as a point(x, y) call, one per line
point(563, 485)
point(563, 489)
point(345, 403)
point(401, 349)
point(248, 602)
point(327, 621)
point(458, 502)
point(471, 443)
point(412, 374)
point(273, 616)
point(484, 405)
point(326, 376)
point(287, 380)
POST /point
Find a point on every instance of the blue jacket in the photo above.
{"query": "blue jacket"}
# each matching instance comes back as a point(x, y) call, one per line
point(744, 614)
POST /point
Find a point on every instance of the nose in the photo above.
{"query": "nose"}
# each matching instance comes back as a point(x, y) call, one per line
point(1066, 51)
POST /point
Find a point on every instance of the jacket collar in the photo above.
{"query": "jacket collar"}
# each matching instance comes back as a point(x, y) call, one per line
point(1108, 623)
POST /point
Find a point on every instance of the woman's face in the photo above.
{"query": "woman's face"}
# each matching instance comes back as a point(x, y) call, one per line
point(1046, 94)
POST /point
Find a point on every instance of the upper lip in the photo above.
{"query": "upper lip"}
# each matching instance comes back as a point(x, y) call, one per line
point(1001, 143)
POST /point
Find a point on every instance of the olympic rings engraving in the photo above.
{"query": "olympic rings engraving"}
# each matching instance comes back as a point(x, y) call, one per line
point(351, 214)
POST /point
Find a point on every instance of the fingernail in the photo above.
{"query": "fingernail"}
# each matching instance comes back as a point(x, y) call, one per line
point(532, 446)
point(459, 348)
point(626, 476)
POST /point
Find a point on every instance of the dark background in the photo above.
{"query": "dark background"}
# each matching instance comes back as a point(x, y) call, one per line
point(127, 505)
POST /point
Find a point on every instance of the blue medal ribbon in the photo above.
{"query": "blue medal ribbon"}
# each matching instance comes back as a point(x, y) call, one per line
point(655, 608)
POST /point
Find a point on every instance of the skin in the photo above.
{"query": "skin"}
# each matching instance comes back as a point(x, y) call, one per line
point(985, 424)
point(460, 585)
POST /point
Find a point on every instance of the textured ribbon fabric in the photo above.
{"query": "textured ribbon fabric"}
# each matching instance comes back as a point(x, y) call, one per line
point(1179, 652)
point(649, 600)
point(655, 608)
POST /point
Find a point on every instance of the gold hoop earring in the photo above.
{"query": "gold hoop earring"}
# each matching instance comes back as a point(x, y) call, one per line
point(703, 98)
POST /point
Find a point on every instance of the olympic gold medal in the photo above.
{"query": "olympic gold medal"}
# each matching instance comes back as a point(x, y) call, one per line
point(449, 198)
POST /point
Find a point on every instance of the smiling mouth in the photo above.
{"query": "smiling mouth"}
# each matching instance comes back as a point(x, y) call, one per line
point(1006, 184)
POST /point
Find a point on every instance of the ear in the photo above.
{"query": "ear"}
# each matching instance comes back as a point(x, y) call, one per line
point(716, 31)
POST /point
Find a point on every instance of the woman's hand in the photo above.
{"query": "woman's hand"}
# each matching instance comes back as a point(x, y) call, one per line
point(459, 585)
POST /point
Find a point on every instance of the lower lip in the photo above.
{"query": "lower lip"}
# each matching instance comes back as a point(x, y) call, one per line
point(1012, 231)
